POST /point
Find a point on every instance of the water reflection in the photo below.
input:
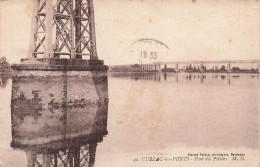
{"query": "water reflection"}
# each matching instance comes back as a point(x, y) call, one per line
point(58, 121)
point(182, 114)
point(182, 77)
point(155, 76)
point(4, 80)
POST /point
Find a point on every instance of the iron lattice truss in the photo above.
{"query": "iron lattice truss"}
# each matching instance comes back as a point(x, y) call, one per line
point(83, 156)
point(70, 31)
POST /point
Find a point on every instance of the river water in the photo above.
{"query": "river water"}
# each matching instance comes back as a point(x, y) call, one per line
point(139, 116)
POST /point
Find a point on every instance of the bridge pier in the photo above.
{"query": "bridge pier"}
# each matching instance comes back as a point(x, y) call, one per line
point(258, 68)
point(228, 68)
point(201, 67)
point(152, 67)
point(165, 66)
point(176, 68)
point(47, 31)
point(159, 67)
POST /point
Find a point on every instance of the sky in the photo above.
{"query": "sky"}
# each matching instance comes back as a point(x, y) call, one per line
point(204, 30)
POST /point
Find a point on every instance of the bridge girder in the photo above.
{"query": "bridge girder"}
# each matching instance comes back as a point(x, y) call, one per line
point(63, 27)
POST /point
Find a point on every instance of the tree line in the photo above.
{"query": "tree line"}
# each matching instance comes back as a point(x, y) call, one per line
point(3, 62)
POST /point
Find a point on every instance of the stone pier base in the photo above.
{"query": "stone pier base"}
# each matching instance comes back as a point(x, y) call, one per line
point(53, 64)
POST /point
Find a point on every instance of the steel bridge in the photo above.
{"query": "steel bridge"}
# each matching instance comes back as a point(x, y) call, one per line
point(63, 27)
point(203, 63)
point(62, 37)
point(210, 62)
point(156, 66)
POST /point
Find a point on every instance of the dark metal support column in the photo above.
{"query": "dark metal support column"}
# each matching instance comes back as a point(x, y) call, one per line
point(78, 26)
point(92, 31)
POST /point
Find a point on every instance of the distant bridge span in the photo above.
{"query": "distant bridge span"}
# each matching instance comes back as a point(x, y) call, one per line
point(209, 62)
point(156, 66)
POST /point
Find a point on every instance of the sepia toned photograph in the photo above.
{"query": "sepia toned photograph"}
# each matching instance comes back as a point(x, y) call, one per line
point(129, 83)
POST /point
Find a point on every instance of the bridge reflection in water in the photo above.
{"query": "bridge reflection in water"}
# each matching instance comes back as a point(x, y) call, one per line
point(59, 120)
point(182, 77)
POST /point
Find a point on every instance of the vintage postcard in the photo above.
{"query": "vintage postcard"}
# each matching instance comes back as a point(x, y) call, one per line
point(129, 83)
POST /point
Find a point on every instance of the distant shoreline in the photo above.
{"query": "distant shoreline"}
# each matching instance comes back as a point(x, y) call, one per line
point(6, 71)
point(9, 71)
point(155, 71)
